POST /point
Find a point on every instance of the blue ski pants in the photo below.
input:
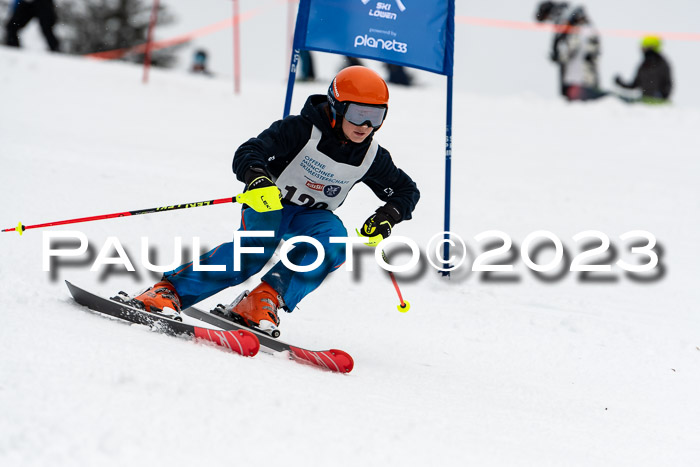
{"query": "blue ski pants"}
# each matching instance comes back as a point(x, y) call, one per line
point(291, 221)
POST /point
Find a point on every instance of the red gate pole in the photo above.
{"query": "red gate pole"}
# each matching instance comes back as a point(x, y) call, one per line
point(236, 49)
point(149, 41)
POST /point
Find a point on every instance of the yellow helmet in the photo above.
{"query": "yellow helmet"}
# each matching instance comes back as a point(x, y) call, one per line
point(652, 42)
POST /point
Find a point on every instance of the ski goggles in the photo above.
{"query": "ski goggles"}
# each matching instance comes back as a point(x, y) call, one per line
point(359, 114)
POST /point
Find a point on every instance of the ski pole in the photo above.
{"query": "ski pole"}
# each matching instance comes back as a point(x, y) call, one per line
point(243, 198)
point(403, 306)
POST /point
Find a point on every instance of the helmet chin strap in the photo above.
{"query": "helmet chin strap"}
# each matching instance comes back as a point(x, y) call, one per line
point(333, 117)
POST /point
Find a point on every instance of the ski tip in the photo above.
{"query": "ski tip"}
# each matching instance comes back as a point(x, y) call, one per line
point(343, 359)
point(71, 288)
point(249, 341)
point(334, 360)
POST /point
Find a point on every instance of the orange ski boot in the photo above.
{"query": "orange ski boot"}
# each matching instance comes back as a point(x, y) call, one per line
point(161, 298)
point(258, 309)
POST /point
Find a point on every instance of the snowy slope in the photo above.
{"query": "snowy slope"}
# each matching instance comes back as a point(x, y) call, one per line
point(525, 371)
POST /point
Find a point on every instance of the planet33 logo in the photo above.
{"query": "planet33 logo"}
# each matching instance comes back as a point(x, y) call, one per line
point(386, 44)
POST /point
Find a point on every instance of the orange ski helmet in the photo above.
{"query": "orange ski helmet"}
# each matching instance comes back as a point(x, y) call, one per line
point(358, 85)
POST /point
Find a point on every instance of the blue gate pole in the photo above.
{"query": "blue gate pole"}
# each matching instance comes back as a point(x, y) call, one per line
point(299, 38)
point(290, 81)
point(448, 175)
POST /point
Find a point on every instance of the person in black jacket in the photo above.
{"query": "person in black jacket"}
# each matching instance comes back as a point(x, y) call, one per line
point(311, 161)
point(653, 76)
point(22, 14)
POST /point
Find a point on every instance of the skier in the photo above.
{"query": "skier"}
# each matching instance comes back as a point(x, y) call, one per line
point(23, 12)
point(315, 159)
point(653, 75)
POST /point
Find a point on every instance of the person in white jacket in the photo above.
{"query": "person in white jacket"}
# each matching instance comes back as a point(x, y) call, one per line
point(558, 14)
point(579, 50)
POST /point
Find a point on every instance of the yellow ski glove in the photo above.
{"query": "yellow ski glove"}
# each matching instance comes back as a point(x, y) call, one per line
point(261, 194)
point(378, 226)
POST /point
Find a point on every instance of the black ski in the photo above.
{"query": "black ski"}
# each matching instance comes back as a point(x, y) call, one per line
point(241, 341)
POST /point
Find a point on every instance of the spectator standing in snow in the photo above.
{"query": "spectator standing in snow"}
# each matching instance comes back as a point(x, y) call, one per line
point(579, 50)
point(575, 48)
point(307, 66)
point(558, 14)
point(398, 75)
point(349, 61)
point(22, 13)
point(199, 63)
point(653, 76)
point(315, 158)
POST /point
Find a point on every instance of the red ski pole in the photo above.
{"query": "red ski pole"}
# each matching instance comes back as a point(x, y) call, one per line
point(403, 305)
point(243, 198)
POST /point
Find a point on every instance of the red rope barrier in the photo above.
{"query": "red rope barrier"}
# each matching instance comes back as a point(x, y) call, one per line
point(530, 26)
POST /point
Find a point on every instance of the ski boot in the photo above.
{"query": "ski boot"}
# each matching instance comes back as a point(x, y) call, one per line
point(256, 309)
point(161, 299)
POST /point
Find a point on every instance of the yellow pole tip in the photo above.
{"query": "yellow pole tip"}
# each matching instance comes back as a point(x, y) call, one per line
point(404, 307)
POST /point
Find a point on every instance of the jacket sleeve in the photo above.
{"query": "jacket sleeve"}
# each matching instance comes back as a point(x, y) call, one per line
point(272, 149)
point(637, 82)
point(391, 184)
point(625, 85)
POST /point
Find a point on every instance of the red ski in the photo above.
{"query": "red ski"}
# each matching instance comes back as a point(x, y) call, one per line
point(332, 360)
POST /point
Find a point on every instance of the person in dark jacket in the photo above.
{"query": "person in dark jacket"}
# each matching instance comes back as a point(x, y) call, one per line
point(653, 76)
point(22, 14)
point(398, 75)
point(199, 63)
point(308, 72)
point(311, 161)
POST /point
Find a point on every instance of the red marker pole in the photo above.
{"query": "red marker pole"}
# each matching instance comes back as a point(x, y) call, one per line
point(236, 49)
point(149, 41)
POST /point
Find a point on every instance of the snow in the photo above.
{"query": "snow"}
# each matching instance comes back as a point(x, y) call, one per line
point(524, 371)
